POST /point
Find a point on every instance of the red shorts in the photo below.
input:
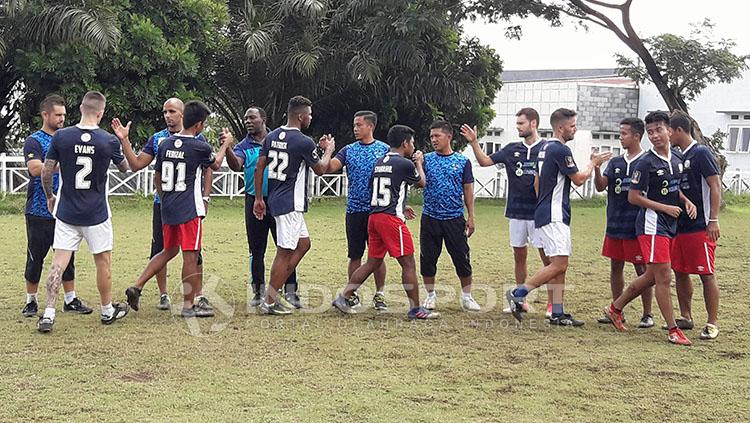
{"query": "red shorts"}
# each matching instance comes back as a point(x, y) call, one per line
point(186, 235)
point(655, 248)
point(628, 250)
point(693, 253)
point(386, 232)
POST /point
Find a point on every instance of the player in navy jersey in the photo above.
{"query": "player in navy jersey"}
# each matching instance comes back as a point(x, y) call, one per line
point(288, 154)
point(40, 225)
point(180, 162)
point(694, 247)
point(358, 158)
point(620, 242)
point(449, 184)
point(244, 158)
point(386, 228)
point(655, 188)
point(556, 171)
point(172, 111)
point(520, 162)
point(83, 153)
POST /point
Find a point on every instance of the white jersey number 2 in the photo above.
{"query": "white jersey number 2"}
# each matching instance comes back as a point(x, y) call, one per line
point(87, 165)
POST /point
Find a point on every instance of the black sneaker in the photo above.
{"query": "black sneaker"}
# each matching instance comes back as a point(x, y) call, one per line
point(44, 324)
point(134, 295)
point(121, 310)
point(378, 301)
point(293, 299)
point(259, 294)
point(30, 309)
point(76, 306)
point(516, 308)
point(565, 320)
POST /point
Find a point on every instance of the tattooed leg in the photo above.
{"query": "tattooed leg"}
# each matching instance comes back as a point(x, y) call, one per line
point(54, 278)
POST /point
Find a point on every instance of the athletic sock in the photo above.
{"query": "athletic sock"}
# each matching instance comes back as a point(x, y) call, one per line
point(467, 295)
point(557, 309)
point(30, 298)
point(615, 309)
point(520, 292)
point(380, 293)
point(432, 294)
point(70, 296)
point(49, 313)
point(108, 310)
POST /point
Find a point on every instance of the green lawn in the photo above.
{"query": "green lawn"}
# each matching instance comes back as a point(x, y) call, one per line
point(321, 366)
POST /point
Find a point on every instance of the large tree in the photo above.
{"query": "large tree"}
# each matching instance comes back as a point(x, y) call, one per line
point(406, 60)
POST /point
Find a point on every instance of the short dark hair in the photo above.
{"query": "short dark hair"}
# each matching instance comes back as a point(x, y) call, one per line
point(656, 117)
point(297, 103)
point(260, 110)
point(560, 115)
point(636, 125)
point(443, 125)
point(51, 101)
point(398, 134)
point(94, 102)
point(530, 113)
point(195, 112)
point(368, 116)
point(680, 119)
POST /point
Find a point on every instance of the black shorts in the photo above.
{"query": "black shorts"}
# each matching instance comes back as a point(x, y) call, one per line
point(157, 234)
point(432, 234)
point(356, 234)
point(40, 234)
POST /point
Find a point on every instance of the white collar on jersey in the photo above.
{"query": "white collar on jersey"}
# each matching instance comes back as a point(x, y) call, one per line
point(89, 127)
point(666, 159)
point(628, 161)
point(693, 142)
point(288, 128)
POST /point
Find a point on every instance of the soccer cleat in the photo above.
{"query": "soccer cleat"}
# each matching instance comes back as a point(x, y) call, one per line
point(274, 309)
point(121, 310)
point(354, 301)
point(30, 309)
point(430, 303)
point(421, 313)
point(188, 313)
point(76, 306)
point(203, 308)
point(164, 303)
point(606, 320)
point(709, 331)
point(682, 323)
point(470, 304)
point(133, 295)
point(615, 317)
point(525, 308)
point(293, 299)
point(565, 320)
point(378, 301)
point(516, 308)
point(647, 321)
point(548, 313)
point(344, 305)
point(44, 324)
point(281, 301)
point(676, 336)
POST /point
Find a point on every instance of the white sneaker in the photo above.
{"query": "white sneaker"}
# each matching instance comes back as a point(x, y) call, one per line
point(430, 303)
point(469, 304)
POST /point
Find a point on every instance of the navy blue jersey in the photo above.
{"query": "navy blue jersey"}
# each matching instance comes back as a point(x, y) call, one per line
point(152, 147)
point(84, 154)
point(444, 191)
point(290, 153)
point(555, 164)
point(359, 160)
point(35, 148)
point(698, 164)
point(388, 184)
point(658, 178)
point(520, 160)
point(181, 160)
point(621, 214)
point(248, 151)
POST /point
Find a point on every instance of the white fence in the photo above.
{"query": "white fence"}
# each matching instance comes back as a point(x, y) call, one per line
point(14, 178)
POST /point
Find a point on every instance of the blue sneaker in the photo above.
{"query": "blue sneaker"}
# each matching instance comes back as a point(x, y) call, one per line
point(422, 313)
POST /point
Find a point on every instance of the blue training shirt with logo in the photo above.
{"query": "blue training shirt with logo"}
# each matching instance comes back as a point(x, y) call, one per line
point(658, 178)
point(699, 164)
point(555, 164)
point(152, 147)
point(290, 153)
point(35, 148)
point(520, 160)
point(389, 184)
point(444, 190)
point(621, 215)
point(248, 150)
point(359, 160)
point(84, 154)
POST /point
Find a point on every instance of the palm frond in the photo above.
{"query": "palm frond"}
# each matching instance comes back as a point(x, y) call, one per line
point(12, 8)
point(303, 63)
point(307, 9)
point(98, 30)
point(364, 69)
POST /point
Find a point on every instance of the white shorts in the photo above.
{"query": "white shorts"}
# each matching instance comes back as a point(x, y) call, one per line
point(523, 232)
point(290, 228)
point(555, 239)
point(98, 237)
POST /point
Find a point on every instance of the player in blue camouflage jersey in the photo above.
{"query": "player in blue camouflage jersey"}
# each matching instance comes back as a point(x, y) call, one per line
point(449, 184)
point(358, 158)
point(40, 224)
point(172, 111)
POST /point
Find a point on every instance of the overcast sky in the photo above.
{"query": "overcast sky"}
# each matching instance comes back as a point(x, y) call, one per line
point(568, 47)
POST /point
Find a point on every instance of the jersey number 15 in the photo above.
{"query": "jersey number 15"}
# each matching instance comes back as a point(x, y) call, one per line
point(381, 192)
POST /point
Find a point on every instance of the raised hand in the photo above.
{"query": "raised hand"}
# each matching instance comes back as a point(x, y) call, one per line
point(599, 158)
point(226, 137)
point(120, 131)
point(327, 142)
point(469, 133)
point(418, 157)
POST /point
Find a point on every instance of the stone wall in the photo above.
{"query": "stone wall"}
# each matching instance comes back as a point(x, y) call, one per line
point(601, 108)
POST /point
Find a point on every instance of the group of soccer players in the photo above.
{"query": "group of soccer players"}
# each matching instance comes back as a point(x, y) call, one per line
point(667, 222)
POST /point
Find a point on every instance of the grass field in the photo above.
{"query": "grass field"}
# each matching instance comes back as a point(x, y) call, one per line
point(318, 365)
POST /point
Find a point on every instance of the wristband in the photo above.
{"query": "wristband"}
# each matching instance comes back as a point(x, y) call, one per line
point(713, 220)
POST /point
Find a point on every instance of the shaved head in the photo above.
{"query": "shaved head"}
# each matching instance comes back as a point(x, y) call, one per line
point(93, 103)
point(172, 112)
point(174, 102)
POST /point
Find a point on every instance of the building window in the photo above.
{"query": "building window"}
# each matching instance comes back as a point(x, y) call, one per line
point(735, 117)
point(746, 117)
point(616, 151)
point(595, 136)
point(491, 147)
point(739, 139)
point(545, 133)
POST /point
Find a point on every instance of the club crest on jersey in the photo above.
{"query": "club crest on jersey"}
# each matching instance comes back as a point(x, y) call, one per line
point(282, 135)
point(85, 137)
point(385, 160)
point(679, 167)
point(687, 164)
point(569, 161)
point(177, 143)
